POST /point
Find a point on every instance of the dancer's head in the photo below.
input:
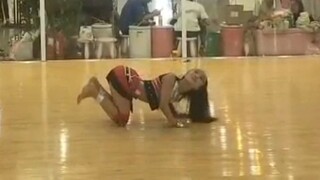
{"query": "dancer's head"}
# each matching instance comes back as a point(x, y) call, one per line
point(198, 95)
point(196, 79)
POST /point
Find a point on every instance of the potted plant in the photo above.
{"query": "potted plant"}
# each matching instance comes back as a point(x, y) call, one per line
point(63, 22)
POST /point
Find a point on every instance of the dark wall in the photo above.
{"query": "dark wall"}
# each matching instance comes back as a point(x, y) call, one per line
point(100, 9)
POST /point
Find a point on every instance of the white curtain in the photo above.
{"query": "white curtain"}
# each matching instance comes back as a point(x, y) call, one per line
point(313, 7)
point(278, 4)
point(11, 10)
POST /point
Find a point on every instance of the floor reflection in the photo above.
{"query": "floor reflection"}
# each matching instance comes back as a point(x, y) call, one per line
point(267, 128)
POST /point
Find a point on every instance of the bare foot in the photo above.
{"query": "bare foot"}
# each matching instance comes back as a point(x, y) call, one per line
point(88, 90)
point(95, 82)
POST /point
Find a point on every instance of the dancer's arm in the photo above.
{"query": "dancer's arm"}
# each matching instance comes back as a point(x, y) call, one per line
point(166, 90)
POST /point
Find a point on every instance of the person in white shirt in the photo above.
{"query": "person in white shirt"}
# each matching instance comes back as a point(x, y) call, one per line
point(196, 19)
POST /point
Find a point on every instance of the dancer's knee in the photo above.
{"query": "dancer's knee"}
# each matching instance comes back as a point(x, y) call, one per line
point(121, 119)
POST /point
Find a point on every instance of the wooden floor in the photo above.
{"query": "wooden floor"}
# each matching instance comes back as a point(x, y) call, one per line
point(268, 128)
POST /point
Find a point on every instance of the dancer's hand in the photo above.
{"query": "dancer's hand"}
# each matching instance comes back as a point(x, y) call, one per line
point(184, 122)
point(179, 123)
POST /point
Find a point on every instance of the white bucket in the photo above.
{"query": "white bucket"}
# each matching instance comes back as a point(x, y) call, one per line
point(100, 30)
point(140, 41)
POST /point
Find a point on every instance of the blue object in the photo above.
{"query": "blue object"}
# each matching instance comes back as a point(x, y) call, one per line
point(132, 13)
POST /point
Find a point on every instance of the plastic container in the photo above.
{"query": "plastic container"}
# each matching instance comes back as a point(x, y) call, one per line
point(213, 44)
point(140, 41)
point(232, 40)
point(162, 41)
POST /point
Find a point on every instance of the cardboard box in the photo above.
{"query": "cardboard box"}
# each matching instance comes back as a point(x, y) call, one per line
point(233, 13)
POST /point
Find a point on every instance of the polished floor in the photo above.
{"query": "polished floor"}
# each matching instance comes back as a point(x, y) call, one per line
point(268, 128)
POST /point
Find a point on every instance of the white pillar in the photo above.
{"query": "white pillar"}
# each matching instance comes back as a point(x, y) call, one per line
point(42, 14)
point(184, 30)
point(11, 11)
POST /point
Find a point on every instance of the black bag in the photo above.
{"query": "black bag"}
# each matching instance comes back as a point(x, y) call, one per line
point(173, 21)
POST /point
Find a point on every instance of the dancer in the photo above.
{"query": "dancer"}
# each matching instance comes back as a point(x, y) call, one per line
point(163, 93)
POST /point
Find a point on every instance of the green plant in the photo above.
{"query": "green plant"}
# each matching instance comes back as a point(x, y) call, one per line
point(29, 10)
point(64, 15)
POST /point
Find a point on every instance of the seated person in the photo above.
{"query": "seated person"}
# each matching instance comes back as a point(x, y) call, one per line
point(195, 14)
point(266, 9)
point(135, 12)
point(196, 21)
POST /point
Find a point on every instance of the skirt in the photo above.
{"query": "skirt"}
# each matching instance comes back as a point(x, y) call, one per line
point(125, 81)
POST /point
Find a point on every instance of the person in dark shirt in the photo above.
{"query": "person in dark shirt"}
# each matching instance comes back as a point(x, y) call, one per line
point(135, 12)
point(297, 8)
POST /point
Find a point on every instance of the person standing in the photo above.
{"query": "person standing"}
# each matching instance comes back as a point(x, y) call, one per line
point(135, 12)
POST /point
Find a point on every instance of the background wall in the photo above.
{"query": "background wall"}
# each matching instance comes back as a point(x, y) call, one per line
point(312, 6)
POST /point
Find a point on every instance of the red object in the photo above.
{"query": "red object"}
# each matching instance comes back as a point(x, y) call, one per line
point(60, 45)
point(128, 78)
point(286, 4)
point(233, 40)
point(56, 44)
point(50, 46)
point(293, 41)
point(162, 41)
point(126, 82)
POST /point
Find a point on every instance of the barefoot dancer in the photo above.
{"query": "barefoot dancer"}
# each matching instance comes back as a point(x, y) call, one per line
point(160, 93)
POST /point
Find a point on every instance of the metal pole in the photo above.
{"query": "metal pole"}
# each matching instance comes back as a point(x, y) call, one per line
point(42, 13)
point(184, 30)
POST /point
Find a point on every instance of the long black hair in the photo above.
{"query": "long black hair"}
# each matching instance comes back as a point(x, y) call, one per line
point(199, 108)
